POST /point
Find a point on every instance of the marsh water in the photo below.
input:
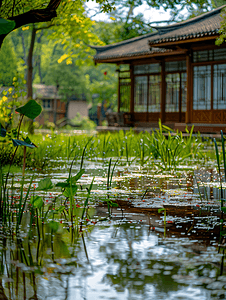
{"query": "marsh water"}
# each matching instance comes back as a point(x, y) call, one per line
point(137, 253)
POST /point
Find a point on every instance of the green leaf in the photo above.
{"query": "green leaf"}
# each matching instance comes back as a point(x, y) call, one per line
point(62, 184)
point(75, 178)
point(113, 204)
point(70, 191)
point(61, 209)
point(6, 26)
point(223, 209)
point(161, 209)
point(31, 109)
point(44, 184)
point(22, 143)
point(28, 141)
point(36, 201)
point(167, 128)
point(54, 225)
point(65, 185)
point(70, 182)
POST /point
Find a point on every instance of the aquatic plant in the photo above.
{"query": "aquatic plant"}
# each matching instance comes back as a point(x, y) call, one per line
point(223, 209)
point(110, 173)
point(199, 182)
point(31, 110)
point(167, 150)
point(171, 149)
point(163, 210)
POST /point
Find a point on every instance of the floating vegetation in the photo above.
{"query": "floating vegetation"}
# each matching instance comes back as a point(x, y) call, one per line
point(114, 216)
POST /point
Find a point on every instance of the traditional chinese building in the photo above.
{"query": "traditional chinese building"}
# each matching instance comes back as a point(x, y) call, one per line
point(176, 74)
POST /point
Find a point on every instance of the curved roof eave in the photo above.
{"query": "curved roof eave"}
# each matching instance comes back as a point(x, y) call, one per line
point(164, 29)
point(100, 49)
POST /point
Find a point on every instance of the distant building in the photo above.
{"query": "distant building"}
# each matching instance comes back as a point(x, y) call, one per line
point(54, 108)
point(176, 74)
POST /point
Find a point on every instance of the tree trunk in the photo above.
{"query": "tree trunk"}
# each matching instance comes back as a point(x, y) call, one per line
point(30, 74)
point(38, 62)
point(30, 64)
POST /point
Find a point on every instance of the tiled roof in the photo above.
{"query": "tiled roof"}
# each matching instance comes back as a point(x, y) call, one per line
point(205, 25)
point(128, 48)
point(46, 91)
point(43, 91)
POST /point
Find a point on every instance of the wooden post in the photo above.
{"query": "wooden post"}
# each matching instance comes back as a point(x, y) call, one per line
point(211, 114)
point(188, 115)
point(180, 97)
point(132, 89)
point(118, 89)
point(163, 93)
point(147, 99)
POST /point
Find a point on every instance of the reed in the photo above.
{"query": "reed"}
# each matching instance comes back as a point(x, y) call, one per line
point(164, 211)
point(170, 149)
point(163, 147)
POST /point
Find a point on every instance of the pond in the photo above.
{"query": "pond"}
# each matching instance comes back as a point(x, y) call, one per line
point(161, 241)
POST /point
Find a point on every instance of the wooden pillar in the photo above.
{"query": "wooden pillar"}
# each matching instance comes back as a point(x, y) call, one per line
point(211, 115)
point(147, 98)
point(163, 93)
point(119, 100)
point(132, 89)
point(180, 97)
point(188, 115)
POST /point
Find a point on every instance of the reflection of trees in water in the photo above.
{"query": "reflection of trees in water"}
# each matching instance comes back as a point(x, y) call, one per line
point(131, 268)
point(128, 269)
point(143, 273)
point(25, 262)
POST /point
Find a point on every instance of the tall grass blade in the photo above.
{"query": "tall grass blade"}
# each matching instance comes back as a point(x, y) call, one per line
point(83, 153)
point(22, 207)
point(87, 199)
point(109, 174)
point(223, 152)
point(217, 156)
point(113, 169)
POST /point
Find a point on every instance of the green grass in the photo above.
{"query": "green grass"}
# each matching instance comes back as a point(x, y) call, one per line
point(163, 148)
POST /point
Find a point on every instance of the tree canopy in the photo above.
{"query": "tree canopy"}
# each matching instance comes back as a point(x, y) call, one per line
point(37, 11)
point(129, 18)
point(8, 63)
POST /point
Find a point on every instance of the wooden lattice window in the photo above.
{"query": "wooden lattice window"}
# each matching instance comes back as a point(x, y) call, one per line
point(140, 93)
point(172, 92)
point(147, 69)
point(209, 55)
point(173, 66)
point(203, 55)
point(125, 92)
point(154, 100)
point(47, 104)
point(202, 88)
point(183, 92)
point(219, 86)
point(219, 54)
